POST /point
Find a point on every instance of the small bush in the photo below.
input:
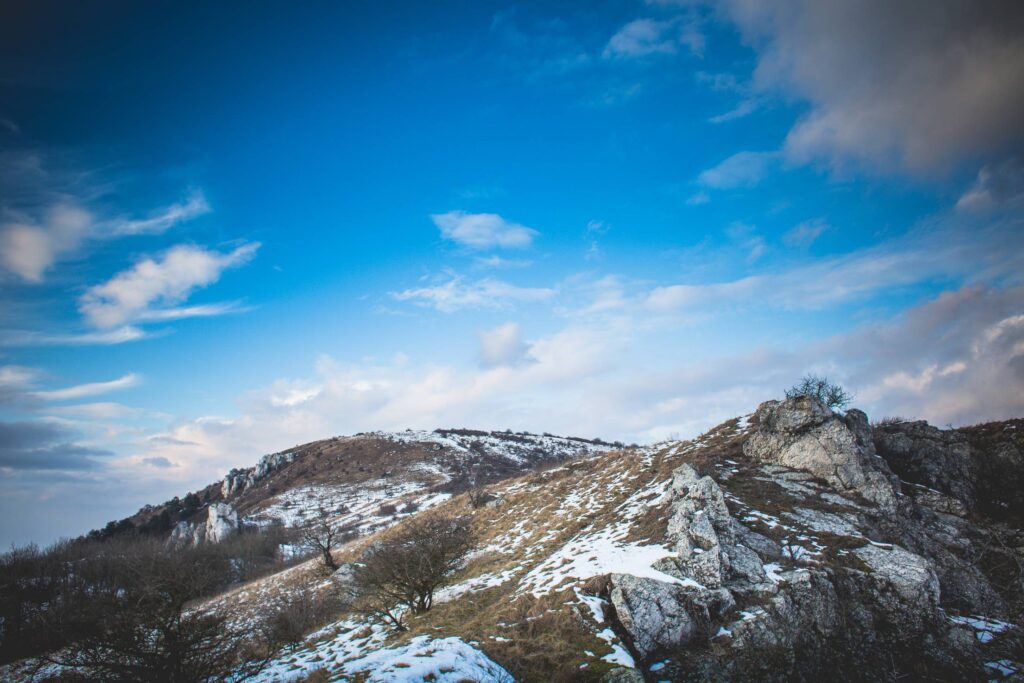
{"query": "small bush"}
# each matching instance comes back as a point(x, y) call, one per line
point(831, 394)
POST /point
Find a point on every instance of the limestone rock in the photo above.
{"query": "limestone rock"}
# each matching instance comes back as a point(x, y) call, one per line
point(902, 586)
point(652, 613)
point(221, 522)
point(238, 480)
point(803, 434)
point(699, 524)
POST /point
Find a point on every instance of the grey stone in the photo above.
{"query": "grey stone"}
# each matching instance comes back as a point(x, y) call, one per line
point(803, 434)
point(652, 612)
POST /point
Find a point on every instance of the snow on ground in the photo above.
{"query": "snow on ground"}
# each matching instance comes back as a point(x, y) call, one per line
point(350, 506)
point(448, 660)
point(602, 552)
point(618, 655)
point(985, 628)
point(650, 495)
point(477, 583)
point(354, 649)
point(328, 648)
point(515, 448)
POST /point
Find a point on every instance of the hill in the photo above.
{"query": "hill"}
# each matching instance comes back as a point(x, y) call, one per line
point(796, 543)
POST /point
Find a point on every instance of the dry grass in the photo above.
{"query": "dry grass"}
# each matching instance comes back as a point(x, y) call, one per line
point(538, 638)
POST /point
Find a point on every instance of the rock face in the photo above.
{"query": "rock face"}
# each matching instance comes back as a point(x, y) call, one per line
point(236, 481)
point(804, 434)
point(702, 531)
point(653, 613)
point(221, 522)
point(804, 563)
point(978, 468)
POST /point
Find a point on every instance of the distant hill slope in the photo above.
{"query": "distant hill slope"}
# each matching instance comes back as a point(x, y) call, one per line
point(368, 474)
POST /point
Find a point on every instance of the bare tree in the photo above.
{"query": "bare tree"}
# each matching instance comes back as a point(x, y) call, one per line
point(402, 572)
point(831, 394)
point(143, 625)
point(320, 536)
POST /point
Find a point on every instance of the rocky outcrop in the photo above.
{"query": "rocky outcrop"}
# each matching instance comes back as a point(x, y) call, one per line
point(703, 534)
point(957, 471)
point(803, 563)
point(238, 480)
point(802, 433)
point(653, 613)
point(930, 457)
point(221, 522)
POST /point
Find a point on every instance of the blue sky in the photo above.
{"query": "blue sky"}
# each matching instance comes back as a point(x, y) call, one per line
point(226, 229)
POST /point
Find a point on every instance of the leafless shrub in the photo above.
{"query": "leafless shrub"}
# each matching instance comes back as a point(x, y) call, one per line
point(132, 620)
point(402, 572)
point(319, 536)
point(831, 394)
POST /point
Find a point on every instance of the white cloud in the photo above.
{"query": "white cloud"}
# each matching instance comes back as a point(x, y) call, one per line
point(745, 108)
point(456, 294)
point(644, 37)
point(148, 290)
point(90, 389)
point(160, 221)
point(119, 335)
point(892, 85)
point(502, 345)
point(855, 276)
point(483, 230)
point(806, 233)
point(28, 250)
point(743, 169)
point(698, 198)
point(545, 391)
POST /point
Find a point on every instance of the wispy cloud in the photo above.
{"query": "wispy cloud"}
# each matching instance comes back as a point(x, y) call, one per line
point(483, 230)
point(150, 288)
point(998, 186)
point(160, 221)
point(806, 233)
point(90, 389)
point(456, 294)
point(855, 276)
point(118, 335)
point(743, 169)
point(645, 37)
point(29, 247)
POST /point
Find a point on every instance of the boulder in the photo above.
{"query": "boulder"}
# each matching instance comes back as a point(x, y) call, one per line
point(804, 434)
point(652, 613)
